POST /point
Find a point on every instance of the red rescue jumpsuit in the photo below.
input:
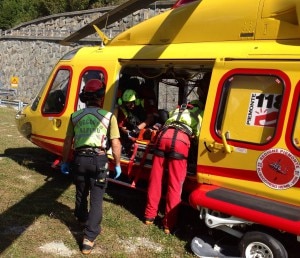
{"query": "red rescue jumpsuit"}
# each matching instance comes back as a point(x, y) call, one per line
point(176, 175)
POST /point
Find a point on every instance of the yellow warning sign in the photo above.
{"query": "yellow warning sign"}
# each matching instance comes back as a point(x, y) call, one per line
point(14, 82)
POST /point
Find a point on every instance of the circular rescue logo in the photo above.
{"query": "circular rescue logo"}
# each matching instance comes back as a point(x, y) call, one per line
point(278, 169)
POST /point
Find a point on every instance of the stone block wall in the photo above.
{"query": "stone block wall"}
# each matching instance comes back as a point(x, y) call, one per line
point(30, 50)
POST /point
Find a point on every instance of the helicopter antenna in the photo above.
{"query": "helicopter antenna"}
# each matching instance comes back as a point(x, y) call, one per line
point(102, 36)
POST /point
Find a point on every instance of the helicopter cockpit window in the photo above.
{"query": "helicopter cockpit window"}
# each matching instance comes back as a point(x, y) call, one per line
point(55, 100)
point(249, 108)
point(88, 75)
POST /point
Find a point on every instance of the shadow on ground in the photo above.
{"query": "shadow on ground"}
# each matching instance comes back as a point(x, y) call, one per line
point(42, 201)
point(134, 201)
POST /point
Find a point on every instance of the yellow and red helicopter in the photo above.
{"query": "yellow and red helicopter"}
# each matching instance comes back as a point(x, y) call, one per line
point(244, 176)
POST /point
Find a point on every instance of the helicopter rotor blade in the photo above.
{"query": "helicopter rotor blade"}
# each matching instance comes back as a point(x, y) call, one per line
point(108, 18)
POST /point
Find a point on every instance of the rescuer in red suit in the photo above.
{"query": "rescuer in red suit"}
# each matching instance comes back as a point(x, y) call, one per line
point(170, 156)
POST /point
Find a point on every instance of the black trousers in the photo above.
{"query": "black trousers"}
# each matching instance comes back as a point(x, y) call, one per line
point(86, 171)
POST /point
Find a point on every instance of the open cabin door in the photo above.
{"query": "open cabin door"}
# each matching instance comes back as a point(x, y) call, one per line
point(162, 85)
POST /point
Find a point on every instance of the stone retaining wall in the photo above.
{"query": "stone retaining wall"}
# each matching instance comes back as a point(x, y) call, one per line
point(30, 50)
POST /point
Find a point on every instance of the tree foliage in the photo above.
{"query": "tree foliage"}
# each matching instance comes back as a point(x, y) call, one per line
point(14, 12)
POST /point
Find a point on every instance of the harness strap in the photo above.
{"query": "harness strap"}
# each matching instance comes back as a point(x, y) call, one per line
point(172, 153)
point(160, 153)
point(182, 127)
point(173, 140)
point(177, 126)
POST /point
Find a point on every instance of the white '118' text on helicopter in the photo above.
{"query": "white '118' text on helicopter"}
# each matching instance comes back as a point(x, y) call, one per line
point(244, 176)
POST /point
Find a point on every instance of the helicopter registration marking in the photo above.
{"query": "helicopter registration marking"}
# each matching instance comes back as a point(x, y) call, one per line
point(263, 109)
point(240, 150)
point(278, 169)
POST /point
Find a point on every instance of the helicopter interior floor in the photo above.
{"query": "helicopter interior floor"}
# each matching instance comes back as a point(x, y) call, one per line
point(139, 159)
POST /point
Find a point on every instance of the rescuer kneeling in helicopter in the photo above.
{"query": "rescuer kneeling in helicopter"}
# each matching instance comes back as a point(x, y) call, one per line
point(132, 117)
point(90, 132)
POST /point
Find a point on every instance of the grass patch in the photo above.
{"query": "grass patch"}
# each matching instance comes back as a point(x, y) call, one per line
point(37, 202)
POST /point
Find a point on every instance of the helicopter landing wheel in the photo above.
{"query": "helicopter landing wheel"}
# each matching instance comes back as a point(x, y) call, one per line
point(260, 245)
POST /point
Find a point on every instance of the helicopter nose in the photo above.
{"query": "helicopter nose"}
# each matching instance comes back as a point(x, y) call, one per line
point(26, 130)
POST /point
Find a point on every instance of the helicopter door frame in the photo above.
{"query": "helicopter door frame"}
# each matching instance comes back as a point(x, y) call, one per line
point(55, 100)
point(263, 105)
point(88, 73)
point(293, 126)
point(48, 130)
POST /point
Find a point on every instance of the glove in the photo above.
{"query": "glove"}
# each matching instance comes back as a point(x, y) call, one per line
point(157, 126)
point(117, 171)
point(136, 131)
point(65, 168)
point(132, 134)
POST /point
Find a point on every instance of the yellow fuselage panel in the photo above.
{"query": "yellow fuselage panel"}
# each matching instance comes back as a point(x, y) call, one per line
point(211, 21)
point(110, 59)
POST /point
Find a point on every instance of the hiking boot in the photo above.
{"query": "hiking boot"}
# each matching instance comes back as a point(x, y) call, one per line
point(149, 221)
point(87, 246)
point(167, 231)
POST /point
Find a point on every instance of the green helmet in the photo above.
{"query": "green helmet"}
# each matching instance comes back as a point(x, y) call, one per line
point(129, 95)
point(196, 103)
